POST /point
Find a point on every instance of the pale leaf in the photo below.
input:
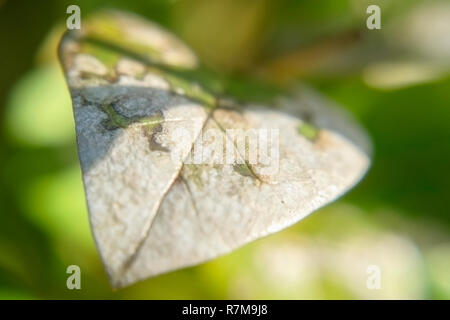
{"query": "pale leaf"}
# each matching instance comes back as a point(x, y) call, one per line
point(133, 88)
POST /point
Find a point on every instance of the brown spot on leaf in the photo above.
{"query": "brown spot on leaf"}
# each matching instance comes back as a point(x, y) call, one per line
point(151, 134)
point(324, 140)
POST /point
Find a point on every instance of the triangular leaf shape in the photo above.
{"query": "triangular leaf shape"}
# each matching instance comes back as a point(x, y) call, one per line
point(136, 106)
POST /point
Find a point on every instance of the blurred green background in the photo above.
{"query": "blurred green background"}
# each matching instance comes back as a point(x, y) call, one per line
point(395, 80)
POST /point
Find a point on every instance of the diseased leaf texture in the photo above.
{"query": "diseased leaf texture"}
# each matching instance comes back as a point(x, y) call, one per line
point(133, 93)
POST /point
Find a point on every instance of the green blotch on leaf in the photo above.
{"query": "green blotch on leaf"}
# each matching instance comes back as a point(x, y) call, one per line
point(191, 90)
point(244, 170)
point(115, 119)
point(151, 125)
point(193, 173)
point(151, 122)
point(108, 57)
point(307, 130)
point(108, 30)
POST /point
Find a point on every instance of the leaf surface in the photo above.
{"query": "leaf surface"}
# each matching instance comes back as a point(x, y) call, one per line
point(137, 103)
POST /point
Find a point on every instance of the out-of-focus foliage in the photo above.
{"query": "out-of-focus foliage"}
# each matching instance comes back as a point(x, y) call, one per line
point(395, 80)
